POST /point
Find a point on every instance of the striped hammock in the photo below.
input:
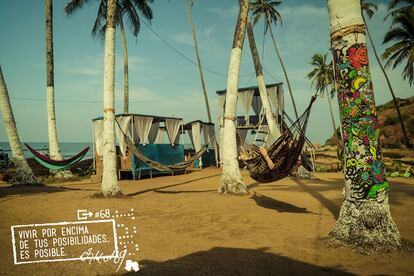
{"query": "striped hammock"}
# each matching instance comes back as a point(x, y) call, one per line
point(161, 167)
point(56, 165)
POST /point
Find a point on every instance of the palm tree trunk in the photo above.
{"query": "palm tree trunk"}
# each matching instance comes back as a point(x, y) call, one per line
point(271, 121)
point(231, 180)
point(365, 220)
point(284, 70)
point(200, 69)
point(109, 185)
point(24, 174)
point(54, 150)
point(394, 99)
point(125, 52)
point(332, 115)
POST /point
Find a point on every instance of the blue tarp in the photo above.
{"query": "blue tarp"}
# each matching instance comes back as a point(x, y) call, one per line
point(166, 154)
point(208, 158)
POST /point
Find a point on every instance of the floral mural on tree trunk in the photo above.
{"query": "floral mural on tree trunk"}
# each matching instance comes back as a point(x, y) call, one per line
point(363, 166)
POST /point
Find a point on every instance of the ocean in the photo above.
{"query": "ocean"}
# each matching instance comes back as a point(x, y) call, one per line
point(67, 149)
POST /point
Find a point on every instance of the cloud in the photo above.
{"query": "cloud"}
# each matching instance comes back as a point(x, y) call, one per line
point(134, 62)
point(182, 37)
point(89, 71)
point(230, 12)
point(303, 10)
point(89, 65)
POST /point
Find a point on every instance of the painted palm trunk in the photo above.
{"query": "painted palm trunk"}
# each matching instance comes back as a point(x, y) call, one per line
point(364, 169)
point(365, 219)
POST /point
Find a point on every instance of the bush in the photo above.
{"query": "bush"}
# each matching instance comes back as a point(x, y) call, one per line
point(393, 145)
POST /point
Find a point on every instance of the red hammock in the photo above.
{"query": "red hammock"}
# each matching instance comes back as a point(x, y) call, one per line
point(56, 164)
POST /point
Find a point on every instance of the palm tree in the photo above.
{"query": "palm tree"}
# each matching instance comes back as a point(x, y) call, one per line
point(396, 6)
point(267, 9)
point(203, 85)
point(128, 10)
point(54, 150)
point(274, 130)
point(402, 35)
point(109, 187)
point(365, 221)
point(322, 76)
point(24, 174)
point(231, 180)
point(369, 9)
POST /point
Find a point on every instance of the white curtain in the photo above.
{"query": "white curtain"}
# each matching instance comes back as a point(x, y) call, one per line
point(206, 134)
point(98, 135)
point(280, 99)
point(123, 122)
point(257, 104)
point(221, 99)
point(142, 126)
point(246, 98)
point(153, 133)
point(242, 134)
point(160, 136)
point(173, 128)
point(272, 92)
point(195, 137)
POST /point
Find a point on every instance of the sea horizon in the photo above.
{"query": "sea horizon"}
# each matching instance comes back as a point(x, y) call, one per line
point(68, 149)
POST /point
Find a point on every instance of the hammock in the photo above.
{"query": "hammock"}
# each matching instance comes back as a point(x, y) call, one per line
point(158, 166)
point(56, 165)
point(281, 156)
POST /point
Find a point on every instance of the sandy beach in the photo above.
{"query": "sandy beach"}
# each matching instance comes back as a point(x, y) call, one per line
point(185, 228)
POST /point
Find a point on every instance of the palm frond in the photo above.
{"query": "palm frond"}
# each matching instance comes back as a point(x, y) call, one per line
point(99, 22)
point(74, 5)
point(368, 8)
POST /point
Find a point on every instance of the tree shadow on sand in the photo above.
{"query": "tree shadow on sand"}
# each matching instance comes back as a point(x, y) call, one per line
point(183, 192)
point(172, 185)
point(329, 204)
point(28, 190)
point(280, 206)
point(234, 261)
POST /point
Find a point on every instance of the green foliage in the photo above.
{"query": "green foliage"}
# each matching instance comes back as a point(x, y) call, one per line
point(393, 145)
point(393, 155)
point(267, 9)
point(127, 10)
point(401, 34)
point(322, 74)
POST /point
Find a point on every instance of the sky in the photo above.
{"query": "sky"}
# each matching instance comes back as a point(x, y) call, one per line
point(163, 82)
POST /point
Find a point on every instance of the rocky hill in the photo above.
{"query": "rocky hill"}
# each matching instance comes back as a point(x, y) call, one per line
point(390, 129)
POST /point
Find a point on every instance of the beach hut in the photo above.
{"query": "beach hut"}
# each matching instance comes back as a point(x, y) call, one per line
point(200, 132)
point(157, 137)
point(255, 122)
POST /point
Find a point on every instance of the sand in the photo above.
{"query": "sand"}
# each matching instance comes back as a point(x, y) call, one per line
point(185, 228)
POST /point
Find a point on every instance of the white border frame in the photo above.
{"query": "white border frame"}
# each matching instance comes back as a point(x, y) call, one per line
point(68, 259)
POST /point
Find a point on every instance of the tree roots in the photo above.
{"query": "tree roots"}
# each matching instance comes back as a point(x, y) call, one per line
point(366, 226)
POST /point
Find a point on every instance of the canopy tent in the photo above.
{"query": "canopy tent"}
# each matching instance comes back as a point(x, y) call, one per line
point(196, 130)
point(250, 97)
point(142, 129)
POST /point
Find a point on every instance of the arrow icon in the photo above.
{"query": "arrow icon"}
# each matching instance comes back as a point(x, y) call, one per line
point(84, 214)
